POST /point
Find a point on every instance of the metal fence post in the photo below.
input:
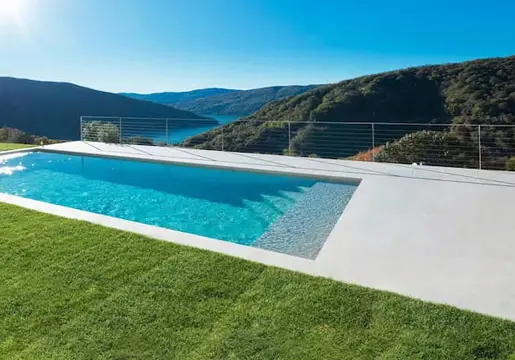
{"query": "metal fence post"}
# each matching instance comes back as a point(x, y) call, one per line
point(479, 146)
point(120, 129)
point(289, 138)
point(167, 136)
point(222, 137)
point(81, 130)
point(373, 143)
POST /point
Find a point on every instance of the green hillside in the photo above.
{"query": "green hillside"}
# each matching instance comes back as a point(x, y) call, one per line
point(223, 101)
point(174, 98)
point(475, 92)
point(241, 102)
point(53, 109)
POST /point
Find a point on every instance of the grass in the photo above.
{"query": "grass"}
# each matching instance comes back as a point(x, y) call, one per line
point(11, 146)
point(73, 290)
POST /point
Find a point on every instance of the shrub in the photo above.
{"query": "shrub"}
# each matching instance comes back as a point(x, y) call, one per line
point(139, 140)
point(18, 136)
point(510, 164)
point(428, 147)
point(101, 131)
point(42, 140)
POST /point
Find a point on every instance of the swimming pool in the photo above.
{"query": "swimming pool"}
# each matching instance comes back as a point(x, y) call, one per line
point(287, 214)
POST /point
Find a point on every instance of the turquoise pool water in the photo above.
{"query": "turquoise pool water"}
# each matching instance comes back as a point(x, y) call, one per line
point(240, 207)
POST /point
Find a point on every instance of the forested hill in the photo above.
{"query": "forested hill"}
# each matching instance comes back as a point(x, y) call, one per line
point(480, 91)
point(174, 98)
point(241, 102)
point(53, 109)
point(218, 101)
point(444, 93)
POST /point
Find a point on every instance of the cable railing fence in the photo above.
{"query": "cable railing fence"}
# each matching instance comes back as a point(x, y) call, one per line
point(481, 146)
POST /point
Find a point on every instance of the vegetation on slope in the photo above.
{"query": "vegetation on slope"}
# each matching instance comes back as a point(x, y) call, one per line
point(74, 290)
point(16, 136)
point(469, 93)
point(242, 102)
point(224, 101)
point(53, 109)
point(175, 98)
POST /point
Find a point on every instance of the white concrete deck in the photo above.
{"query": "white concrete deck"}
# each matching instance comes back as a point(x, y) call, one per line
point(439, 234)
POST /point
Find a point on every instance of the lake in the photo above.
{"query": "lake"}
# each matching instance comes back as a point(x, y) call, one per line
point(178, 135)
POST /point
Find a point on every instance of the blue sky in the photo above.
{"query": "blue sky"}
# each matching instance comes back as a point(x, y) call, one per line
point(172, 45)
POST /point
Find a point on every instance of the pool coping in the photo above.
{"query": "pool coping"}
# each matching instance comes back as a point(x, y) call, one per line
point(178, 237)
point(160, 160)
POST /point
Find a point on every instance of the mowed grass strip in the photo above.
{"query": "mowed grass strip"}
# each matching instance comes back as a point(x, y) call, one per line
point(11, 146)
point(73, 290)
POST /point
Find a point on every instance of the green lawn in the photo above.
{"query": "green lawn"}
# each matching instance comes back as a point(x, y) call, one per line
point(10, 146)
point(72, 290)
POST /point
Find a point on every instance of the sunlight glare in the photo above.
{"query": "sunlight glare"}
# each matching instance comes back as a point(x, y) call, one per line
point(11, 12)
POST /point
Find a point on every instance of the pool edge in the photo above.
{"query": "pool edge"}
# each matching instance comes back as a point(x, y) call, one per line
point(205, 164)
point(250, 253)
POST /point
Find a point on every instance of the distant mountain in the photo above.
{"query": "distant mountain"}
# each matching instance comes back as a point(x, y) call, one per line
point(53, 109)
point(224, 101)
point(473, 92)
point(242, 102)
point(174, 98)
